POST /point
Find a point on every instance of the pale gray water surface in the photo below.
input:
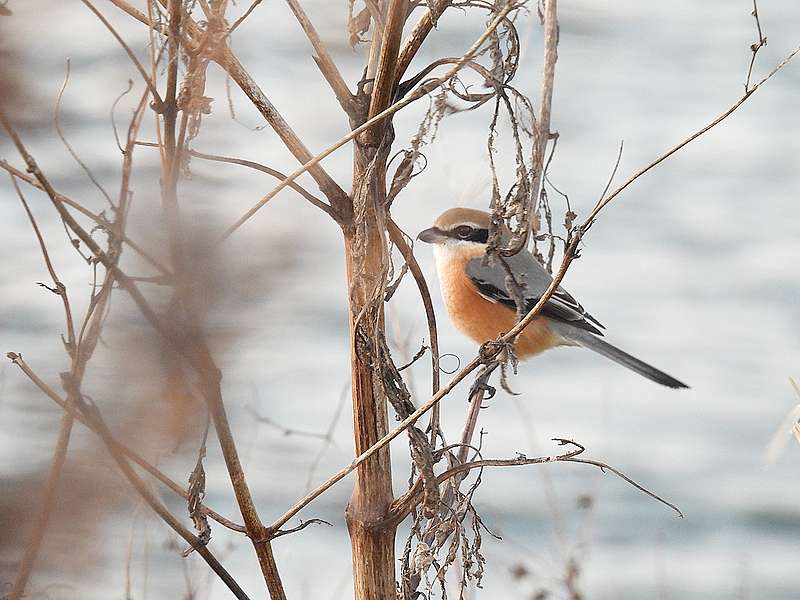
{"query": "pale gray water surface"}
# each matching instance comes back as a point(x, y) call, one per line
point(694, 268)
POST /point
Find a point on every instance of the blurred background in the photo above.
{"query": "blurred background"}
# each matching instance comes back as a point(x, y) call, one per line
point(694, 269)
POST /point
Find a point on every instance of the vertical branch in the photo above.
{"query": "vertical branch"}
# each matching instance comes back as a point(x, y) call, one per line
point(543, 121)
point(384, 87)
point(371, 534)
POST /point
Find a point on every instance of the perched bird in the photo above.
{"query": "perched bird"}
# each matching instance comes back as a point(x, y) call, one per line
point(481, 307)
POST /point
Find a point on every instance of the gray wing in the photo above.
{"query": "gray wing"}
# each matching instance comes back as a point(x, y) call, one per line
point(490, 281)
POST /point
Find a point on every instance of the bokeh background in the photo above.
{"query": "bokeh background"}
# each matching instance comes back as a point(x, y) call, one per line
point(694, 269)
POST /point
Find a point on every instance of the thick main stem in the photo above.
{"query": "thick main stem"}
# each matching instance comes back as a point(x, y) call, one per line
point(371, 536)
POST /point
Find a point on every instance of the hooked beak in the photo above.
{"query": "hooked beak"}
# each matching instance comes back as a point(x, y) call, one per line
point(434, 235)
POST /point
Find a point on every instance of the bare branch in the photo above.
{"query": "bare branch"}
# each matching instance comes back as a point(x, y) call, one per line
point(62, 137)
point(92, 413)
point(604, 201)
point(414, 41)
point(398, 239)
point(246, 14)
point(303, 525)
point(754, 48)
point(385, 82)
point(58, 287)
point(405, 503)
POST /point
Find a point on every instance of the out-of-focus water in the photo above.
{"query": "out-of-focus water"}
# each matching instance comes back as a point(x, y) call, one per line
point(694, 269)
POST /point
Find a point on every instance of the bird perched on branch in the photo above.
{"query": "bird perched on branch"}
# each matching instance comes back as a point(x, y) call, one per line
point(481, 307)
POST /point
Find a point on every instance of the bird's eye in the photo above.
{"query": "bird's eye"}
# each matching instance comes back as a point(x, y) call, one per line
point(463, 232)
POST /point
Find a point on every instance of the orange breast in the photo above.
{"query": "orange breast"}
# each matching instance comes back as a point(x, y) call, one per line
point(483, 320)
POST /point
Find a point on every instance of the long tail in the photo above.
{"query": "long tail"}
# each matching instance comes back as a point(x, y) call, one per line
point(592, 342)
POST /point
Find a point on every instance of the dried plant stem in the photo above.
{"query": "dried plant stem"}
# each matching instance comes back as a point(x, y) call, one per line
point(397, 238)
point(336, 196)
point(405, 503)
point(749, 92)
point(142, 71)
point(58, 288)
point(414, 41)
point(543, 119)
point(385, 82)
point(476, 399)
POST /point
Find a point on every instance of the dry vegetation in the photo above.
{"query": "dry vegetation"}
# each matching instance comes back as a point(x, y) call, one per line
point(184, 40)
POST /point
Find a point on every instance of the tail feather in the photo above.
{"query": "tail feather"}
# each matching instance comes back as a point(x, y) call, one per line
point(587, 340)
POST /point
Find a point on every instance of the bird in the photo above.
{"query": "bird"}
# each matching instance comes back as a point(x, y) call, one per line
point(480, 306)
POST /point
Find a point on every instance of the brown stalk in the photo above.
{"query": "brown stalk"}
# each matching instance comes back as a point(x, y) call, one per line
point(337, 197)
point(543, 118)
point(415, 39)
point(145, 76)
point(92, 414)
point(385, 82)
point(398, 239)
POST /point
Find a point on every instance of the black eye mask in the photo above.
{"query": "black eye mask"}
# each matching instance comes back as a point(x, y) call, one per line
point(469, 234)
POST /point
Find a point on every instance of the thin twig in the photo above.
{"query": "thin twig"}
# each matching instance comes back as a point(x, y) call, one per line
point(397, 237)
point(269, 171)
point(246, 14)
point(92, 414)
point(303, 525)
point(754, 48)
point(604, 201)
point(58, 288)
point(63, 138)
point(405, 503)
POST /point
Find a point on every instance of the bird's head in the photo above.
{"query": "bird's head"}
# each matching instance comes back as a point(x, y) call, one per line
point(458, 228)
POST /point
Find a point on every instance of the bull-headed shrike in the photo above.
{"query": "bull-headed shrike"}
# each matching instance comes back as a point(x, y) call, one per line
point(480, 306)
